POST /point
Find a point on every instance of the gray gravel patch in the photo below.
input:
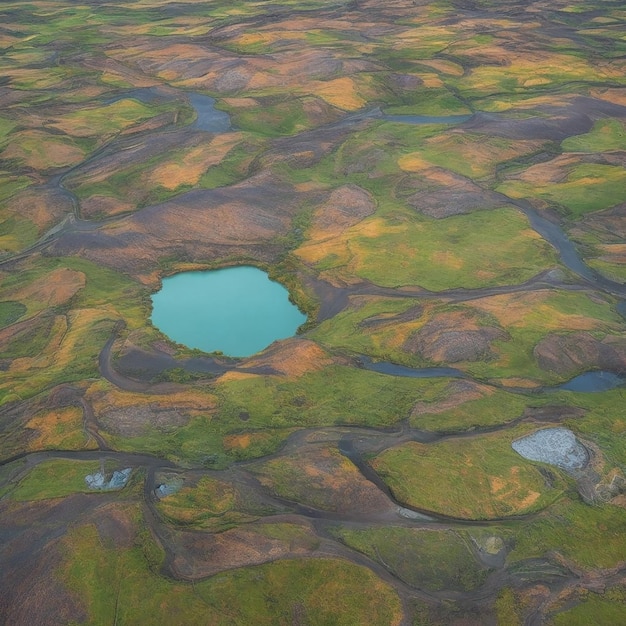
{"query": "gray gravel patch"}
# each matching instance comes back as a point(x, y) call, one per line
point(556, 446)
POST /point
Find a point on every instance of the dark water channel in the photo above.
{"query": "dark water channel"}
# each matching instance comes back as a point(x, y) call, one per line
point(589, 382)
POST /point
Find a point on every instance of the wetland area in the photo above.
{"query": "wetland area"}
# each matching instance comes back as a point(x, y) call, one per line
point(432, 195)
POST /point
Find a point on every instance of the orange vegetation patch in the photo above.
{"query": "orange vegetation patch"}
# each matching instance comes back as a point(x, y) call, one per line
point(241, 103)
point(235, 376)
point(553, 172)
point(293, 357)
point(61, 428)
point(510, 490)
point(239, 442)
point(340, 92)
point(446, 67)
point(189, 400)
point(336, 248)
point(616, 96)
point(413, 163)
point(53, 289)
point(193, 164)
point(613, 253)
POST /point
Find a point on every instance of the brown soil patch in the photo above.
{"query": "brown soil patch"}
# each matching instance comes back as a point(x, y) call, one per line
point(238, 221)
point(458, 392)
point(141, 420)
point(199, 555)
point(293, 357)
point(571, 353)
point(615, 96)
point(550, 173)
point(104, 206)
point(453, 195)
point(454, 337)
point(115, 525)
point(345, 207)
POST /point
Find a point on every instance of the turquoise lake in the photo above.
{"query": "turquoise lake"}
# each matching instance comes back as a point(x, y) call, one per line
point(237, 310)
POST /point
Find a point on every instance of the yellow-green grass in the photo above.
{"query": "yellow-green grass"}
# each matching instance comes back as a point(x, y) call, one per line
point(483, 249)
point(427, 559)
point(436, 102)
point(471, 478)
point(208, 503)
point(494, 408)
point(206, 440)
point(11, 183)
point(349, 330)
point(536, 71)
point(607, 134)
point(42, 151)
point(16, 233)
point(88, 300)
point(39, 282)
point(612, 270)
point(220, 162)
point(105, 120)
point(371, 326)
point(323, 478)
point(69, 353)
point(591, 536)
point(120, 584)
point(601, 609)
point(469, 154)
point(6, 126)
point(529, 317)
point(56, 478)
point(586, 188)
point(604, 423)
point(319, 399)
point(10, 311)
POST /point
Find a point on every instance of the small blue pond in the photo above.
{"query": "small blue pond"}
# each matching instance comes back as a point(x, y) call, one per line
point(593, 381)
point(238, 311)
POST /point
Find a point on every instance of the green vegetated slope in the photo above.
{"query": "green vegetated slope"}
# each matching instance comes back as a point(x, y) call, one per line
point(295, 477)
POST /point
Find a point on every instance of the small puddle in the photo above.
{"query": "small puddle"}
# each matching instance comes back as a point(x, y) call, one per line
point(591, 382)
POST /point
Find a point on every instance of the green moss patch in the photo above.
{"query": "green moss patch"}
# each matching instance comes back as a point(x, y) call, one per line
point(477, 478)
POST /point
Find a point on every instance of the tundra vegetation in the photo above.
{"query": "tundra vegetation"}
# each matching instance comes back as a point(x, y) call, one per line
point(455, 274)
